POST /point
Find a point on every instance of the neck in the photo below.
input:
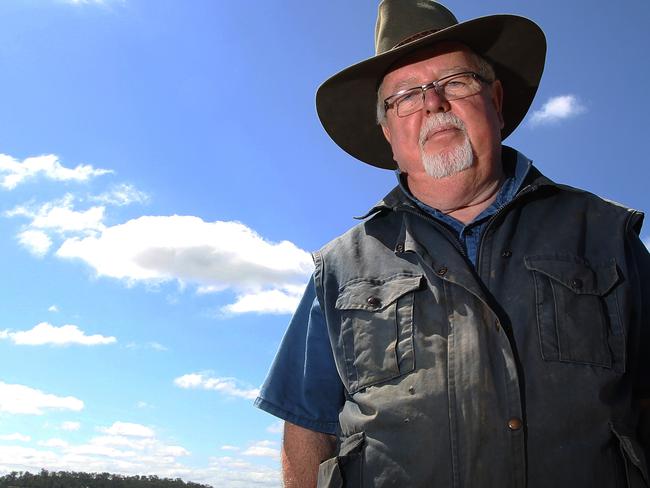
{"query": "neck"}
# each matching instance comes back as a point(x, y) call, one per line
point(462, 196)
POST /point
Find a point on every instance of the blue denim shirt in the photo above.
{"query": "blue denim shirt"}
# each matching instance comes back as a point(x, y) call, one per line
point(303, 386)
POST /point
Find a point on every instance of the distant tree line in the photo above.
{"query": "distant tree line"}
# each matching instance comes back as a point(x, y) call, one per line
point(71, 479)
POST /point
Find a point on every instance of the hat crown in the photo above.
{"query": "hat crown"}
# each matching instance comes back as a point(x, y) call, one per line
point(399, 21)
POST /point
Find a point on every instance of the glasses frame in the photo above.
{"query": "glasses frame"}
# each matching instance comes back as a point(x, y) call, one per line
point(437, 85)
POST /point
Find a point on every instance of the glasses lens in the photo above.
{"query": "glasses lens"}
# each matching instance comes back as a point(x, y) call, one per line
point(409, 103)
point(460, 86)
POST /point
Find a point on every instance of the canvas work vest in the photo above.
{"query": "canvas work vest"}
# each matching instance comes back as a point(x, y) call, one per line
point(520, 373)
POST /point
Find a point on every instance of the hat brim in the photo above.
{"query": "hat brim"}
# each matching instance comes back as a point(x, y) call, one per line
point(346, 103)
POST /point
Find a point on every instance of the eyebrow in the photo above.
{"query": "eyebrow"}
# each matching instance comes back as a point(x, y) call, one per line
point(413, 82)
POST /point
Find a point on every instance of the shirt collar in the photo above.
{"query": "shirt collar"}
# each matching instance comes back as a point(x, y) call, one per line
point(516, 167)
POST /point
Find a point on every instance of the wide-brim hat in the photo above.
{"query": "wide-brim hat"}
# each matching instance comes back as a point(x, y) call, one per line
point(347, 102)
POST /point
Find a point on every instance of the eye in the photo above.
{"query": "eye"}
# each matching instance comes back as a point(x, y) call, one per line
point(411, 96)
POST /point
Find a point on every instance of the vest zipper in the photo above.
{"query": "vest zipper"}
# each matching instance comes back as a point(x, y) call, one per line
point(518, 196)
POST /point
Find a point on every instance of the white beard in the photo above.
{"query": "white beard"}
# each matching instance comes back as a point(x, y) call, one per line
point(449, 161)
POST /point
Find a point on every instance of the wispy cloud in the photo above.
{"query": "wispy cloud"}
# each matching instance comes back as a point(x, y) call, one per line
point(56, 443)
point(70, 425)
point(21, 399)
point(276, 427)
point(14, 172)
point(121, 195)
point(53, 309)
point(48, 334)
point(15, 437)
point(128, 429)
point(263, 449)
point(60, 216)
point(556, 109)
point(213, 255)
point(226, 386)
point(91, 2)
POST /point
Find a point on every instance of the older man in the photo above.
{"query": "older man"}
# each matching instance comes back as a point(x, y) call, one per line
point(484, 326)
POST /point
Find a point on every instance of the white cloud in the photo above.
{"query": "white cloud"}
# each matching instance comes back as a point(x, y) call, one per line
point(53, 308)
point(212, 255)
point(36, 242)
point(121, 195)
point(263, 449)
point(557, 108)
point(47, 334)
point(14, 172)
point(142, 404)
point(61, 217)
point(70, 426)
point(156, 457)
point(230, 448)
point(269, 301)
point(20, 399)
point(57, 443)
point(227, 386)
point(229, 472)
point(15, 437)
point(128, 429)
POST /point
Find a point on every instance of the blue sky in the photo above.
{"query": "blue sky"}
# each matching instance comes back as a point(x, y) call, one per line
point(163, 179)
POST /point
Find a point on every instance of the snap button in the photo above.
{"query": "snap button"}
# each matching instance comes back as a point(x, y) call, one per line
point(515, 423)
point(399, 248)
point(442, 271)
point(374, 301)
point(576, 283)
point(506, 253)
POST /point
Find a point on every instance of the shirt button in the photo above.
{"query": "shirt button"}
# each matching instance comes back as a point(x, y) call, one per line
point(506, 253)
point(374, 302)
point(576, 283)
point(515, 423)
point(442, 271)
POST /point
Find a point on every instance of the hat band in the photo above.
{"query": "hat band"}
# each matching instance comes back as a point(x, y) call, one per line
point(414, 37)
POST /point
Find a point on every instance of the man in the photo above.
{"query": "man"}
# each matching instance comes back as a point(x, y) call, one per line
point(484, 326)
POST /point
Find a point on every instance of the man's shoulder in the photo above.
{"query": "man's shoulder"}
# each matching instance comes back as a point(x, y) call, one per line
point(574, 198)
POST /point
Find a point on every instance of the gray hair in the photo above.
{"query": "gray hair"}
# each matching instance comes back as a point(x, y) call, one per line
point(482, 66)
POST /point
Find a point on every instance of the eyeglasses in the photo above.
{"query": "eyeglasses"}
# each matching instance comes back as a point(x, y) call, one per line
point(452, 87)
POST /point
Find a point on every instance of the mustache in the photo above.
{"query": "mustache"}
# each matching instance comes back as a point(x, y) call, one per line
point(439, 121)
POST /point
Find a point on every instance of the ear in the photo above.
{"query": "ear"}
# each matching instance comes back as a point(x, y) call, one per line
point(496, 96)
point(386, 131)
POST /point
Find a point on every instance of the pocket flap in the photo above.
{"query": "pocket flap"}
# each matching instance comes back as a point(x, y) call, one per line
point(375, 295)
point(576, 273)
point(352, 445)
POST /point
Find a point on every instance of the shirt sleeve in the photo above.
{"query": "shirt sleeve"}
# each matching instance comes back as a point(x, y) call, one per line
point(303, 386)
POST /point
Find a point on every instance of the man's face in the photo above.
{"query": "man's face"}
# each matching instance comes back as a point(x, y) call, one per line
point(447, 136)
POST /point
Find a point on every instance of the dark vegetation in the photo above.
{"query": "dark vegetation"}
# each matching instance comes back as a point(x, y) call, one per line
point(70, 479)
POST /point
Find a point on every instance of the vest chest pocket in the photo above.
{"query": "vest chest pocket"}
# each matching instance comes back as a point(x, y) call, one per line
point(377, 329)
point(577, 312)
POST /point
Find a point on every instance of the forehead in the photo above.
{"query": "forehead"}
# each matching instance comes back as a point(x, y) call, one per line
point(428, 64)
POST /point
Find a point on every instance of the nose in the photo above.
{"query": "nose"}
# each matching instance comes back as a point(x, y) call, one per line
point(434, 102)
